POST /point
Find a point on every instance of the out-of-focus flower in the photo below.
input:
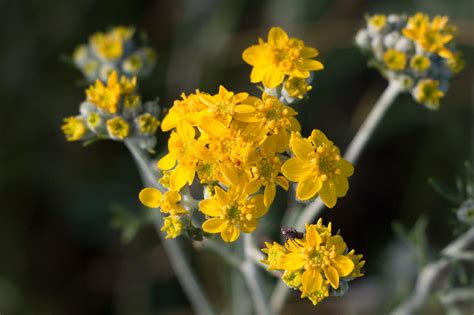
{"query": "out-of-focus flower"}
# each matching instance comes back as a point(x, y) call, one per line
point(318, 168)
point(316, 264)
point(74, 128)
point(280, 56)
point(114, 50)
point(465, 212)
point(413, 50)
point(115, 110)
point(173, 226)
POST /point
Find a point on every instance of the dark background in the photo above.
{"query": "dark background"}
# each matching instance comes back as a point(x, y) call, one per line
point(58, 253)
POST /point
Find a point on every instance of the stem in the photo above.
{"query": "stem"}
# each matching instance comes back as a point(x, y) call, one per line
point(252, 278)
point(431, 274)
point(179, 262)
point(352, 154)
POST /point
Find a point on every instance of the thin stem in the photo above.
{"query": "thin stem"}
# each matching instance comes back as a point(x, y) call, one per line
point(252, 278)
point(355, 148)
point(176, 255)
point(431, 274)
point(230, 258)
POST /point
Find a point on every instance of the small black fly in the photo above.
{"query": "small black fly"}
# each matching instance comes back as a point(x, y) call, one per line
point(291, 233)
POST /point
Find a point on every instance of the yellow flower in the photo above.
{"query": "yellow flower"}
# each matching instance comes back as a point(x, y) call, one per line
point(377, 21)
point(317, 258)
point(297, 87)
point(419, 63)
point(267, 172)
point(118, 128)
point(173, 227)
point(190, 109)
point(275, 253)
point(318, 168)
point(167, 202)
point(147, 123)
point(221, 106)
point(233, 210)
point(275, 117)
point(427, 93)
point(109, 45)
point(431, 36)
point(105, 97)
point(314, 262)
point(455, 63)
point(74, 128)
point(394, 59)
point(280, 56)
point(182, 151)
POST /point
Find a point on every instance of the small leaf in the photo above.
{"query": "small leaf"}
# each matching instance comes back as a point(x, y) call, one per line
point(445, 191)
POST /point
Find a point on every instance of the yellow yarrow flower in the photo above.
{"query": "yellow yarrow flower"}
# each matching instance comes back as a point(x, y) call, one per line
point(427, 92)
point(169, 202)
point(420, 63)
point(318, 168)
point(173, 226)
point(189, 109)
point(455, 63)
point(74, 128)
point(234, 210)
point(267, 172)
point(432, 36)
point(109, 45)
point(105, 97)
point(275, 253)
point(118, 128)
point(280, 56)
point(394, 59)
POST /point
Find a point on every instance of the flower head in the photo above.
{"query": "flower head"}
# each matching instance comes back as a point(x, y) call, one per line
point(118, 128)
point(280, 56)
point(315, 262)
point(173, 226)
point(74, 128)
point(318, 168)
point(169, 202)
point(394, 59)
point(427, 92)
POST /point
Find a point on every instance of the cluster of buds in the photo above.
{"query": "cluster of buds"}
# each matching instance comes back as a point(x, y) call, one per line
point(114, 50)
point(418, 51)
point(114, 111)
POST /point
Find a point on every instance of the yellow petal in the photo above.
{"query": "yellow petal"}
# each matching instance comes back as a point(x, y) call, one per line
point(252, 187)
point(269, 194)
point(308, 187)
point(343, 265)
point(308, 52)
point(210, 207)
point(328, 194)
point(229, 175)
point(277, 37)
point(312, 236)
point(294, 169)
point(185, 130)
point(230, 234)
point(244, 109)
point(311, 281)
point(302, 148)
point(259, 209)
point(337, 242)
point(221, 195)
point(167, 162)
point(172, 196)
point(273, 77)
point(248, 226)
point(213, 225)
point(283, 182)
point(332, 276)
point(257, 74)
point(150, 197)
point(342, 185)
point(256, 55)
point(347, 169)
point(311, 65)
point(212, 126)
point(170, 121)
point(293, 261)
point(180, 176)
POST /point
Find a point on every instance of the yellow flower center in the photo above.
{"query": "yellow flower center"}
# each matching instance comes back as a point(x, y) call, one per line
point(273, 115)
point(324, 162)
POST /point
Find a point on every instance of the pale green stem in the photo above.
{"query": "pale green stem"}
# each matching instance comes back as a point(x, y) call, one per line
point(179, 261)
point(252, 278)
point(433, 273)
point(355, 148)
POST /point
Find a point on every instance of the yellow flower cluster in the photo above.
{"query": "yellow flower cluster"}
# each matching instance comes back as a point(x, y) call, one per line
point(280, 57)
point(236, 144)
point(316, 264)
point(109, 46)
point(417, 51)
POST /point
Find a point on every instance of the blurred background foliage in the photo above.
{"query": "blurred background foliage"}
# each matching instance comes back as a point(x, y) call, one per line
point(59, 254)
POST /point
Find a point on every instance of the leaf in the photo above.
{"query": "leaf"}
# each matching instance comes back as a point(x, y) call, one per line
point(124, 220)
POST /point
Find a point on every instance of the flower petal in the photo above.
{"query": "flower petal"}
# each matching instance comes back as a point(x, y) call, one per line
point(210, 207)
point(311, 65)
point(213, 225)
point(294, 169)
point(269, 194)
point(337, 242)
point(312, 236)
point(248, 226)
point(293, 261)
point(150, 197)
point(302, 148)
point(277, 37)
point(230, 234)
point(311, 281)
point(273, 77)
point(328, 194)
point(283, 182)
point(308, 187)
point(167, 162)
point(343, 265)
point(332, 276)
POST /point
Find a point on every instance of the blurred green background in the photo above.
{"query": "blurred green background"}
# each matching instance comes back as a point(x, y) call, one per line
point(58, 253)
